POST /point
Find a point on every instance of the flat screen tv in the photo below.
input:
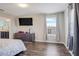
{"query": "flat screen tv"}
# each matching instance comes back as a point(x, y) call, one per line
point(25, 22)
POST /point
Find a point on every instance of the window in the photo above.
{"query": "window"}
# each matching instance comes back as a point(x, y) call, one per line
point(51, 22)
point(3, 24)
point(51, 25)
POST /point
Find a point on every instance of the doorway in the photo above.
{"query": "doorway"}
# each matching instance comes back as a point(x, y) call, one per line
point(51, 28)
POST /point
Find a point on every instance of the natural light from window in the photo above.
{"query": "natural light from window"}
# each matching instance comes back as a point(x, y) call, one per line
point(51, 22)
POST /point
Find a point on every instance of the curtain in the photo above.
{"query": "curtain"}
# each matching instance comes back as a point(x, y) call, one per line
point(60, 29)
point(76, 30)
point(70, 26)
point(60, 26)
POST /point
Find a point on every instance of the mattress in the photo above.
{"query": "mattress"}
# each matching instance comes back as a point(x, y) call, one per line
point(11, 47)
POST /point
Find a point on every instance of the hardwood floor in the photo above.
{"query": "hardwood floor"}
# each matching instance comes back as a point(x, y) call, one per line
point(45, 49)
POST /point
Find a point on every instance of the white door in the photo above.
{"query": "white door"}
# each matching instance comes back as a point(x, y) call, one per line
point(51, 28)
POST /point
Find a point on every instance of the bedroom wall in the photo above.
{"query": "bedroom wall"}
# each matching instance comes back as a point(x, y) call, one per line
point(38, 26)
point(66, 24)
point(11, 22)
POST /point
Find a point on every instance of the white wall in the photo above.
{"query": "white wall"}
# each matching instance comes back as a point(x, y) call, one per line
point(11, 22)
point(38, 27)
point(66, 25)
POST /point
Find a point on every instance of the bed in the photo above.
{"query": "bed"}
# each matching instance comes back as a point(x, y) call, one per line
point(11, 47)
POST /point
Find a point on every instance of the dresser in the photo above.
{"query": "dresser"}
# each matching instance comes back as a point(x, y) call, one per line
point(29, 37)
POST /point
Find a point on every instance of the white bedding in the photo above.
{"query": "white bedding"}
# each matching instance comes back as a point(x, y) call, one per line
point(10, 47)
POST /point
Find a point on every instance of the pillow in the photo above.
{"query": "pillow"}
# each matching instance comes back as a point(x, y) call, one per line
point(20, 32)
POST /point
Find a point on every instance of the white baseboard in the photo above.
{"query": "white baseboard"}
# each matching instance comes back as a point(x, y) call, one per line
point(71, 53)
point(50, 42)
point(69, 50)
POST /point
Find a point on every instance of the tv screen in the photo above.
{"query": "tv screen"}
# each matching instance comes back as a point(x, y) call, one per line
point(25, 21)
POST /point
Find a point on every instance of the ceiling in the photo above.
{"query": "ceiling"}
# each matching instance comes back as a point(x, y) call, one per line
point(34, 8)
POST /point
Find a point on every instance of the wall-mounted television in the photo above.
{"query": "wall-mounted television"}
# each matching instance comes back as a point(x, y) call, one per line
point(25, 21)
